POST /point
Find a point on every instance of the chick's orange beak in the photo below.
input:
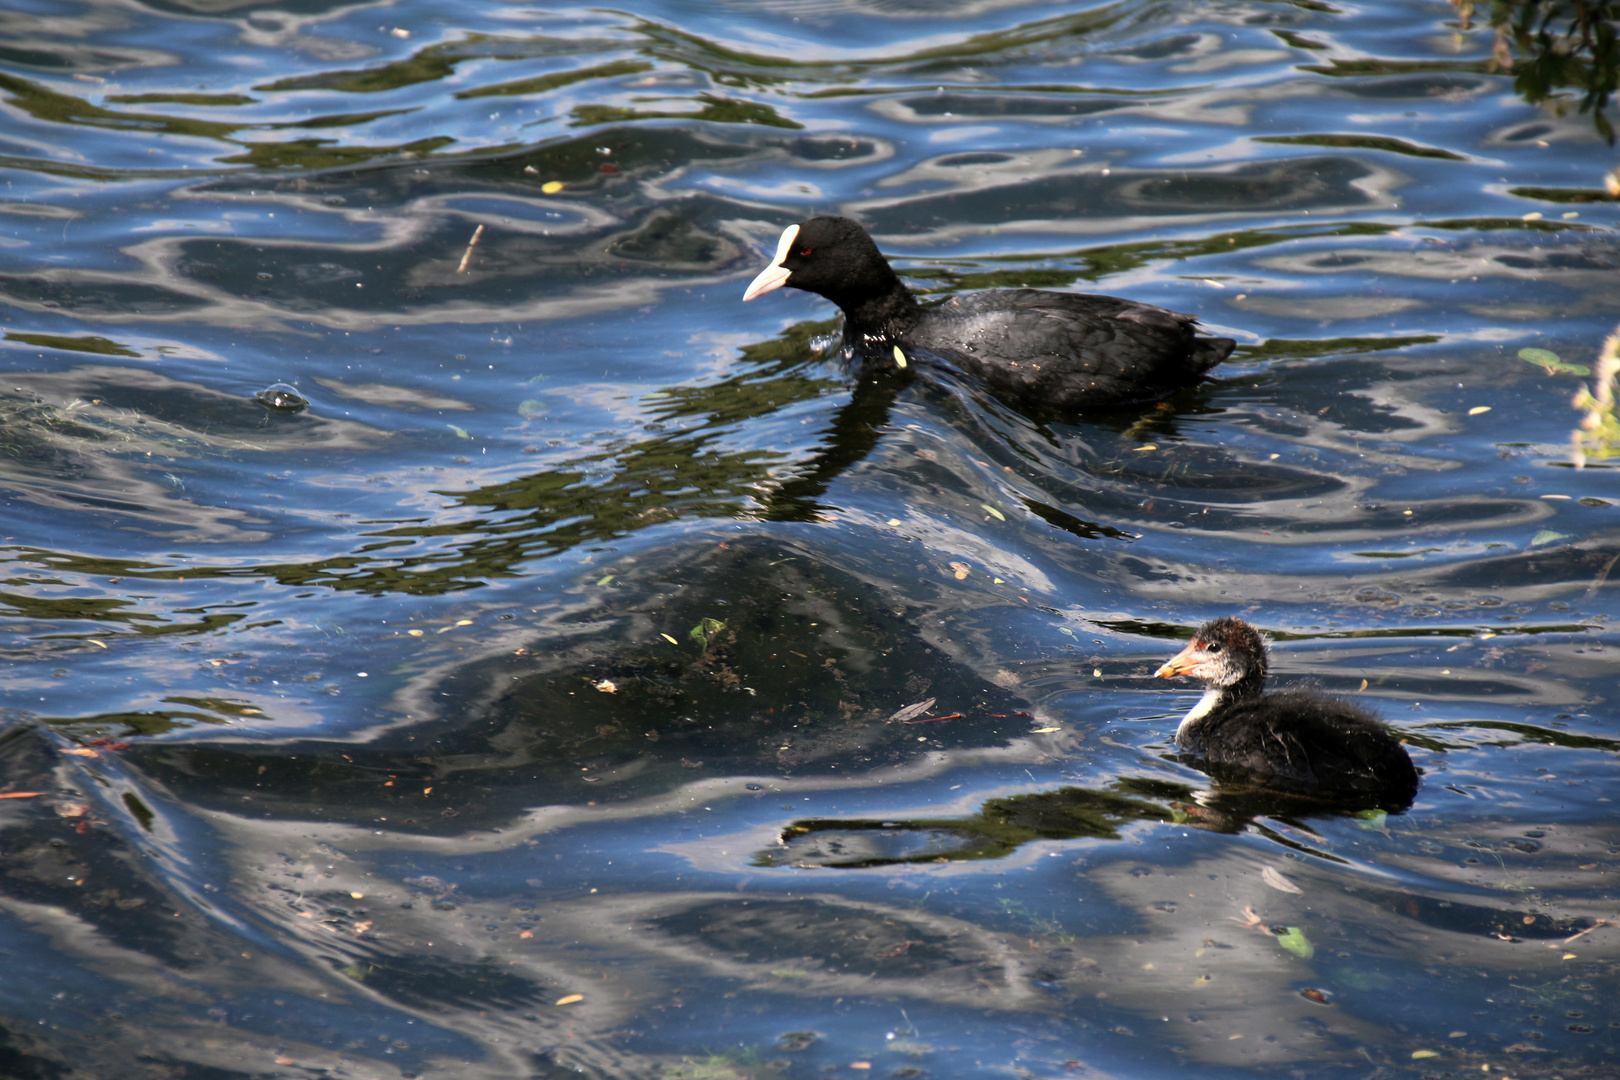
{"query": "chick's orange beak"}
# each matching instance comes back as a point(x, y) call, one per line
point(1182, 663)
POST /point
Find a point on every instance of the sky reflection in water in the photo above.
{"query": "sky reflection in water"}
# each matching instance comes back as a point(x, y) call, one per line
point(542, 698)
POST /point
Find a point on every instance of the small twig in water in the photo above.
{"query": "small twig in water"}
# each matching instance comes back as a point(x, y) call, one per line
point(1588, 930)
point(936, 719)
point(1603, 575)
point(467, 255)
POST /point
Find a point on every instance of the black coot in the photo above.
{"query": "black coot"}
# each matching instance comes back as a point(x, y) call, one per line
point(1295, 739)
point(1049, 351)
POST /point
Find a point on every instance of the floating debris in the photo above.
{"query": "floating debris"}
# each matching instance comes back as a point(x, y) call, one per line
point(466, 256)
point(910, 711)
point(282, 398)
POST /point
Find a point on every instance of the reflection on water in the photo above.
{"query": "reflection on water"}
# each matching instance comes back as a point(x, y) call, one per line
point(1569, 44)
point(597, 677)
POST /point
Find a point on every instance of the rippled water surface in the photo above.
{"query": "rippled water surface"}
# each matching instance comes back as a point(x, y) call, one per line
point(595, 679)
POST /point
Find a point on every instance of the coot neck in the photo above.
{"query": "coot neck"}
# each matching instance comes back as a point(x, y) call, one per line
point(1217, 698)
point(877, 306)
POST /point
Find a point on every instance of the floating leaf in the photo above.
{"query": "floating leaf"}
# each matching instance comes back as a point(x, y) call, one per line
point(669, 639)
point(1278, 882)
point(1546, 358)
point(605, 579)
point(1045, 730)
point(1478, 410)
point(1372, 819)
point(461, 433)
point(551, 187)
point(570, 999)
point(961, 570)
point(531, 408)
point(993, 512)
point(910, 711)
point(705, 630)
point(1425, 1053)
point(1294, 940)
point(1546, 536)
point(1065, 630)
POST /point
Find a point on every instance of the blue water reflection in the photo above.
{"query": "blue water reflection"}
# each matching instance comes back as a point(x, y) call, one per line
point(597, 677)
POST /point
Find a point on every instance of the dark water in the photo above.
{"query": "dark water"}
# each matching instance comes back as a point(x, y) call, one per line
point(524, 706)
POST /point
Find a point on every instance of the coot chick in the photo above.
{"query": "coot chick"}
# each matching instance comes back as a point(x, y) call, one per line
point(1294, 739)
point(1050, 351)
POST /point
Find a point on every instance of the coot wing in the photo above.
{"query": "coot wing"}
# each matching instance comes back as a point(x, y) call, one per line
point(1311, 741)
point(1068, 349)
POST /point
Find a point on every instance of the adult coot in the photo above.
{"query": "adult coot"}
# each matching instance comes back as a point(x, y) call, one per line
point(1294, 739)
point(1049, 351)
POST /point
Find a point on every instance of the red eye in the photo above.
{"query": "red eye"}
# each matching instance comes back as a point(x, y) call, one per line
point(804, 253)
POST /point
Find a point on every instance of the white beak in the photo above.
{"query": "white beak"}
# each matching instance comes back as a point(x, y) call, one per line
point(775, 275)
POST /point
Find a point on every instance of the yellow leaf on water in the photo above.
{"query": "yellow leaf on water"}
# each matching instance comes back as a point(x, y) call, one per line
point(1139, 449)
point(669, 639)
point(993, 512)
point(1477, 409)
point(1045, 730)
point(551, 187)
point(570, 999)
point(1425, 1053)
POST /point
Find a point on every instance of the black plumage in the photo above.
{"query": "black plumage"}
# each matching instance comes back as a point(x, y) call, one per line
point(1299, 740)
point(1049, 351)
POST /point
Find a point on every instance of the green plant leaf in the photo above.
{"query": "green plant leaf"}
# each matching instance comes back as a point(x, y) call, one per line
point(705, 630)
point(1546, 358)
point(1295, 941)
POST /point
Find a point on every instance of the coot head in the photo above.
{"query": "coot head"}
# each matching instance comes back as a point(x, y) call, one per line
point(832, 257)
point(1223, 653)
